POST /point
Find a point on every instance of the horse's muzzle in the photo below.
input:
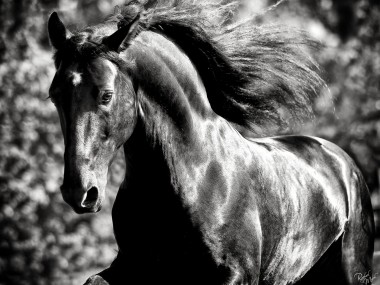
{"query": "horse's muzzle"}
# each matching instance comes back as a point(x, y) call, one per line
point(82, 201)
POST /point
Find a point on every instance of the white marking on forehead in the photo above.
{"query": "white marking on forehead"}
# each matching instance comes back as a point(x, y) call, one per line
point(76, 78)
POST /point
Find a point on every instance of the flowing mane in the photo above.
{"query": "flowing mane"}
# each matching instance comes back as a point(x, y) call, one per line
point(252, 74)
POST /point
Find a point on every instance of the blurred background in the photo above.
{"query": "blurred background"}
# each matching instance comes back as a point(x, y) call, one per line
point(42, 241)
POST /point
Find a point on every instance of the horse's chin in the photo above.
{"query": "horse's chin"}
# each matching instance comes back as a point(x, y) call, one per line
point(81, 210)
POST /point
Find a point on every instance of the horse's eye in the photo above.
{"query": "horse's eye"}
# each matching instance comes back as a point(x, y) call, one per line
point(106, 97)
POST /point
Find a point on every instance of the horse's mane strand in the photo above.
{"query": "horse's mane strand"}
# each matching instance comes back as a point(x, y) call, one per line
point(252, 74)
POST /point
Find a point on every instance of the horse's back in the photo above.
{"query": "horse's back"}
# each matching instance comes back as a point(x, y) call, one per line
point(328, 166)
point(326, 201)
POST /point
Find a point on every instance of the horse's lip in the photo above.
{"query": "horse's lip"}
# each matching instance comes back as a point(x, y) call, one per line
point(82, 210)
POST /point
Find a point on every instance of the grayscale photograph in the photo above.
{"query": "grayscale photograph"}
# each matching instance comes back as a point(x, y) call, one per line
point(189, 142)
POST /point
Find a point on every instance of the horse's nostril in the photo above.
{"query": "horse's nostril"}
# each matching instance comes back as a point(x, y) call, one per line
point(90, 198)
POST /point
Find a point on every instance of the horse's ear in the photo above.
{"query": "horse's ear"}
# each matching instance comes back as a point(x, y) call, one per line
point(57, 31)
point(120, 39)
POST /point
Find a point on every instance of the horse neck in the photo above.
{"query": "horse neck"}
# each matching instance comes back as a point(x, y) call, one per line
point(174, 114)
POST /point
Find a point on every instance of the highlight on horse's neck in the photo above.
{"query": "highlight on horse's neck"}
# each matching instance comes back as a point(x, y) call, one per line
point(172, 107)
point(171, 97)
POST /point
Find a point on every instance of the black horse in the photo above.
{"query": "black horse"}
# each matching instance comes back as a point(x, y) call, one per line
point(200, 203)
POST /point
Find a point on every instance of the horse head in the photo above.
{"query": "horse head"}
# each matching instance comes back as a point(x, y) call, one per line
point(97, 109)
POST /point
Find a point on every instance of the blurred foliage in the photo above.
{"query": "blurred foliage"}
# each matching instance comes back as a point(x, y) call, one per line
point(41, 240)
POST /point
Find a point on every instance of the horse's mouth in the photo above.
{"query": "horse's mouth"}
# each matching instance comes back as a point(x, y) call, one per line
point(84, 210)
point(89, 202)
